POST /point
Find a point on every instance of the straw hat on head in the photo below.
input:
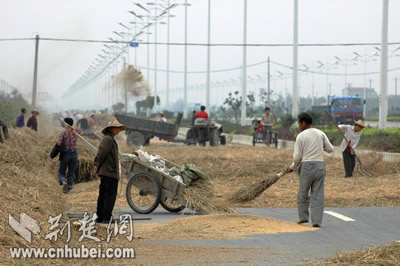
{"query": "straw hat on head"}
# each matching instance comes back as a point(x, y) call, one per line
point(161, 113)
point(114, 123)
point(35, 111)
point(360, 123)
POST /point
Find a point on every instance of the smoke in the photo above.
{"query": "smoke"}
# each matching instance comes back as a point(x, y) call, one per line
point(133, 80)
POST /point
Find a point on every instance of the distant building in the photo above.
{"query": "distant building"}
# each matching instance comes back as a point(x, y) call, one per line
point(359, 91)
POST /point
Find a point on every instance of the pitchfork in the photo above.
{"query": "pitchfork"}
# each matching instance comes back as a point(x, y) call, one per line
point(360, 167)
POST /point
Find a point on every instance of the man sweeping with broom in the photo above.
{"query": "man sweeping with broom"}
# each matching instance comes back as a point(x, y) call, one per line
point(352, 134)
point(308, 160)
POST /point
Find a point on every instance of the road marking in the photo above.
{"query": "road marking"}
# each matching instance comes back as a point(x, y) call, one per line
point(340, 216)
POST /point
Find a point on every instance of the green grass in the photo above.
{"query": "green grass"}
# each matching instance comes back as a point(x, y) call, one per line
point(10, 108)
point(389, 118)
point(371, 138)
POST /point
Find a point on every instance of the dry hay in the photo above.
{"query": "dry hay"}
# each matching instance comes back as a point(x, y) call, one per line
point(374, 162)
point(221, 226)
point(200, 198)
point(25, 186)
point(29, 183)
point(388, 254)
point(132, 79)
point(101, 120)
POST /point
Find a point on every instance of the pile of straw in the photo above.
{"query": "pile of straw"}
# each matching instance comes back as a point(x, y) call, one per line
point(133, 80)
point(388, 254)
point(26, 186)
point(200, 198)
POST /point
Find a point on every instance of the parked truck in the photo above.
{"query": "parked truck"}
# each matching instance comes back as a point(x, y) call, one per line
point(344, 109)
point(140, 130)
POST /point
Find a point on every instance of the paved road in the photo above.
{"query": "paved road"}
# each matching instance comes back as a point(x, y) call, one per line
point(344, 229)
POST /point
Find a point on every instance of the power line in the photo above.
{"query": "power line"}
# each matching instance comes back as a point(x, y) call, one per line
point(202, 44)
point(264, 62)
point(17, 39)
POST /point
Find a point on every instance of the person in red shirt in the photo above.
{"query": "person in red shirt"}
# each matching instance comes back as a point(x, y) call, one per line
point(202, 113)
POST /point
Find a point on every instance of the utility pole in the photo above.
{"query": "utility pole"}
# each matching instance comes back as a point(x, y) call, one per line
point(155, 57)
point(208, 57)
point(295, 106)
point(168, 23)
point(125, 89)
point(35, 70)
point(185, 111)
point(395, 86)
point(383, 99)
point(269, 84)
point(244, 73)
point(312, 84)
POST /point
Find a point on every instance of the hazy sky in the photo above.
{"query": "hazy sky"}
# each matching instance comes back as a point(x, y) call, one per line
point(269, 21)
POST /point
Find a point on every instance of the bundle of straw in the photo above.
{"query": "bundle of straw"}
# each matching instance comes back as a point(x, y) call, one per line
point(253, 191)
point(133, 80)
point(199, 197)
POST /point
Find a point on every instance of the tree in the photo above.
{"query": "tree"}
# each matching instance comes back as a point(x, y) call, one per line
point(234, 102)
point(287, 120)
point(10, 106)
point(250, 105)
point(118, 108)
point(148, 103)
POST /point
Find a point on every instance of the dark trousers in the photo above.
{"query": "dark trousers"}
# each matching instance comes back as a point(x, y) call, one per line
point(349, 161)
point(267, 134)
point(69, 159)
point(107, 195)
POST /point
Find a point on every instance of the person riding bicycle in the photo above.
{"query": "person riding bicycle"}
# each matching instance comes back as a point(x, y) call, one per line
point(267, 121)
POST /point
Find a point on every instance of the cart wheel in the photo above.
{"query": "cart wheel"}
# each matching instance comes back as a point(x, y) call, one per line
point(171, 206)
point(223, 140)
point(143, 192)
point(214, 137)
point(189, 136)
point(135, 138)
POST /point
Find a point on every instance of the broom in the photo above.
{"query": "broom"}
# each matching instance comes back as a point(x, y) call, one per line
point(253, 191)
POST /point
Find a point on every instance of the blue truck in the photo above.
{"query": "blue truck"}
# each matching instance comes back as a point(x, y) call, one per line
point(344, 109)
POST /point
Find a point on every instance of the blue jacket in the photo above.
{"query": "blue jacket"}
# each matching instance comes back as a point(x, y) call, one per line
point(20, 120)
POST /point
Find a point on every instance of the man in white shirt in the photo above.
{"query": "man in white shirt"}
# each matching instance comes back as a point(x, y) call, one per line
point(352, 134)
point(308, 159)
point(162, 118)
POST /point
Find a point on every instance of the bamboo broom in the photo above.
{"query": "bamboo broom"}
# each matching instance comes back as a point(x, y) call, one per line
point(253, 191)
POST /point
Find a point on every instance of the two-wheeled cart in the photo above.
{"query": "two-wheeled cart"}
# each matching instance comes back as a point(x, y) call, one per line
point(149, 186)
